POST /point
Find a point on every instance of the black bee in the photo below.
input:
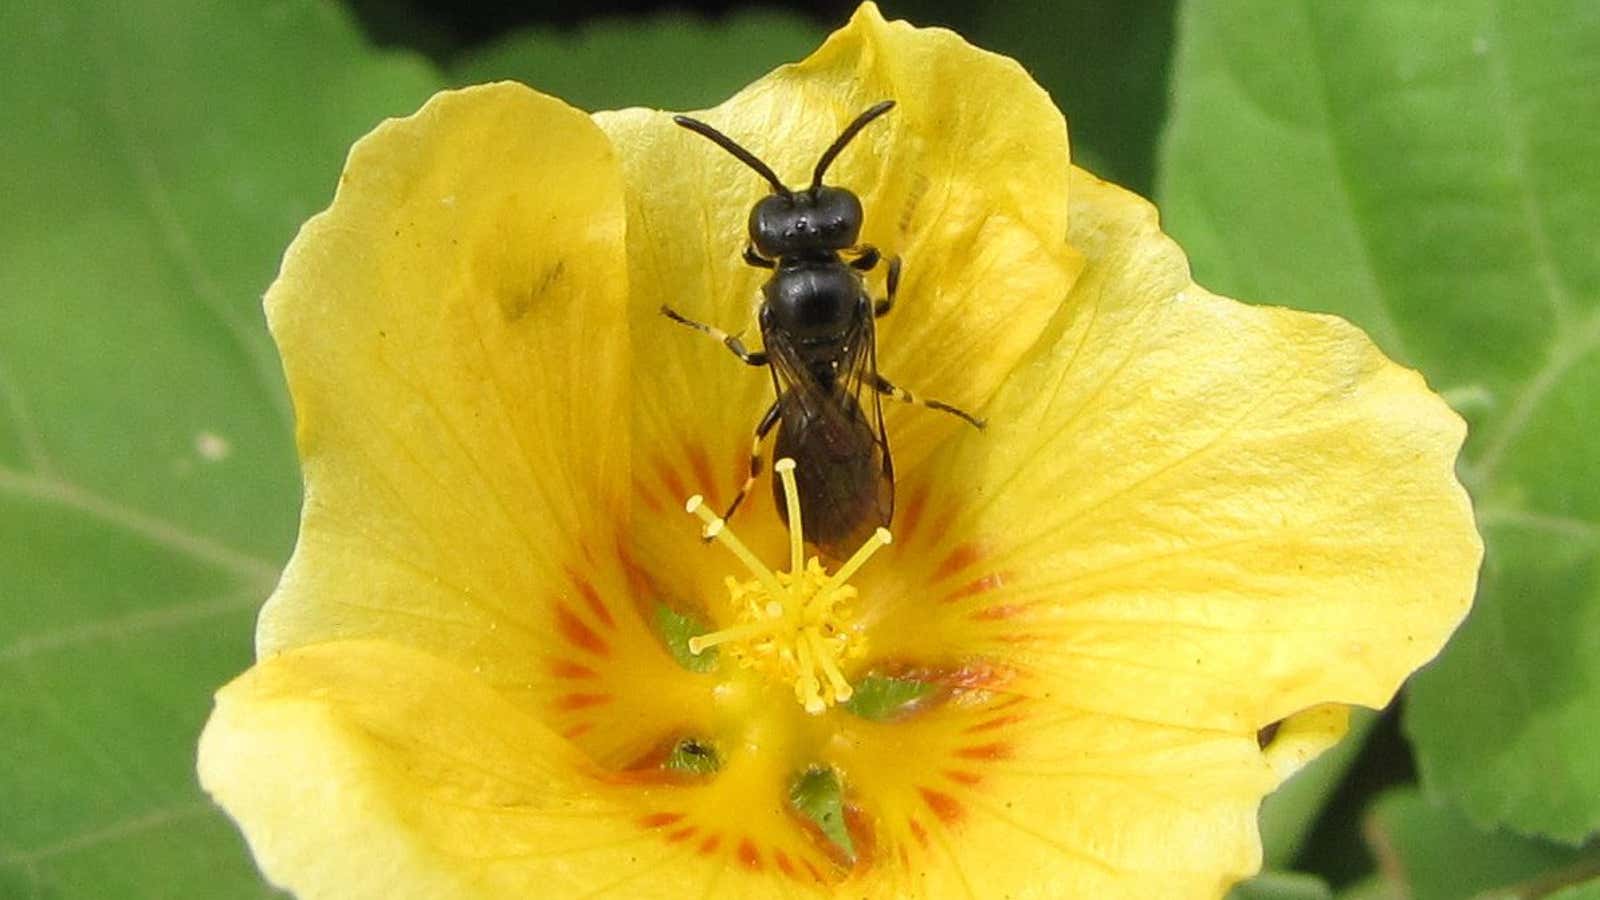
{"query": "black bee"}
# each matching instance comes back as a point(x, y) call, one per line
point(819, 337)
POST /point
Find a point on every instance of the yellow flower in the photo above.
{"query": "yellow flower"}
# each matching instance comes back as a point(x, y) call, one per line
point(1188, 520)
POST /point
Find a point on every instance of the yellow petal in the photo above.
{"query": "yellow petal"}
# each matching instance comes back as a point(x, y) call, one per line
point(438, 325)
point(365, 769)
point(966, 179)
point(1302, 737)
point(1033, 799)
point(1193, 511)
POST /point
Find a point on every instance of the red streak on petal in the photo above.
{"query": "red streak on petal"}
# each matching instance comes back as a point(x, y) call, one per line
point(637, 579)
point(578, 731)
point(960, 558)
point(1001, 611)
point(996, 722)
point(861, 833)
point(670, 480)
point(577, 633)
point(940, 524)
point(816, 873)
point(660, 819)
point(975, 675)
point(650, 502)
point(976, 586)
point(966, 778)
point(681, 835)
point(997, 750)
point(563, 669)
point(749, 855)
point(591, 597)
point(920, 833)
point(910, 516)
point(710, 845)
point(571, 702)
point(946, 807)
point(700, 465)
point(785, 865)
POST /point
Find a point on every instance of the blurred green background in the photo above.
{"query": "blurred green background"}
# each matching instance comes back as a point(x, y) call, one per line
point(1429, 169)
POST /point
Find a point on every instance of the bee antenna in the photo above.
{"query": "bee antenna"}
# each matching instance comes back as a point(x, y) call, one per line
point(740, 153)
point(850, 131)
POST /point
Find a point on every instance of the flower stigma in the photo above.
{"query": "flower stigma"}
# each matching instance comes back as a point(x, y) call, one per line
point(798, 626)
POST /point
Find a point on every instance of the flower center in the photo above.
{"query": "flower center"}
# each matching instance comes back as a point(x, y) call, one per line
point(797, 627)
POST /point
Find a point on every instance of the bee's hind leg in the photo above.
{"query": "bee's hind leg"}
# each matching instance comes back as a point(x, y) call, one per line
point(768, 419)
point(884, 386)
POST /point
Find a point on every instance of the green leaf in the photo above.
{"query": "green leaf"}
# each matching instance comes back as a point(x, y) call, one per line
point(1589, 890)
point(1373, 887)
point(1105, 63)
point(1289, 813)
point(671, 61)
point(1282, 886)
point(160, 157)
point(1428, 170)
point(1432, 852)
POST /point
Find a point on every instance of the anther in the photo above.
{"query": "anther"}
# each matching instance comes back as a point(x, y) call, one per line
point(795, 626)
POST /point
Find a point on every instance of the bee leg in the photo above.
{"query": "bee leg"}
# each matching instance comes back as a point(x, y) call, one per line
point(904, 396)
point(867, 260)
point(768, 419)
point(882, 307)
point(755, 259)
point(732, 342)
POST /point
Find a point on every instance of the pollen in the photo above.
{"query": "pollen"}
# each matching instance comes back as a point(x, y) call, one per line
point(797, 626)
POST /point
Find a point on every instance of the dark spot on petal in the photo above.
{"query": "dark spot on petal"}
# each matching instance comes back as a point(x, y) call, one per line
point(1267, 733)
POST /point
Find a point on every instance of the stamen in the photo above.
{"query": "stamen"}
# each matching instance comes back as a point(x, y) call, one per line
point(807, 689)
point(841, 688)
point(880, 539)
point(715, 528)
point(791, 499)
point(736, 633)
point(794, 626)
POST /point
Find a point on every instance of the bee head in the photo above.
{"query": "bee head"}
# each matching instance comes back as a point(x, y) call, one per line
point(818, 219)
point(823, 218)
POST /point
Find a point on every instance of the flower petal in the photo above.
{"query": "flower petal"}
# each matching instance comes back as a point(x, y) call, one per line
point(1028, 798)
point(966, 179)
point(436, 325)
point(1302, 737)
point(1193, 511)
point(366, 769)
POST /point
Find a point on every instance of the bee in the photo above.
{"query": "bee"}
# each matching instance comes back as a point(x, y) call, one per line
point(819, 343)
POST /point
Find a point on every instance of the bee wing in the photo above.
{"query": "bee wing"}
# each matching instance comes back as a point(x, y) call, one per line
point(850, 420)
point(862, 384)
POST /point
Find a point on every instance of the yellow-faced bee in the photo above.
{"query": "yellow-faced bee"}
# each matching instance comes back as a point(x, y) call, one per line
point(820, 345)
